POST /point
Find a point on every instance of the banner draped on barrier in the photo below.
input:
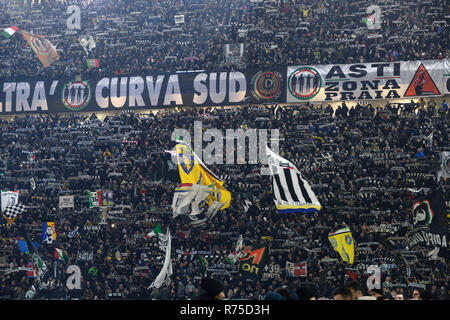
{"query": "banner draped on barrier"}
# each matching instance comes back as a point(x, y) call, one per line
point(292, 84)
point(367, 81)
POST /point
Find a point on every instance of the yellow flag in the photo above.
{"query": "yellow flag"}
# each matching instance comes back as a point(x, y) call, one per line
point(342, 242)
point(192, 170)
point(305, 11)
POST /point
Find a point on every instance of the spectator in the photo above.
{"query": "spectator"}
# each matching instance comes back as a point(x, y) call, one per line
point(284, 291)
point(305, 293)
point(376, 293)
point(342, 293)
point(399, 296)
point(212, 289)
point(190, 290)
point(356, 289)
point(274, 296)
point(416, 295)
point(383, 297)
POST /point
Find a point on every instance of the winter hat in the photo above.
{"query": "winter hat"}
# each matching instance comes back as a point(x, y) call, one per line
point(212, 287)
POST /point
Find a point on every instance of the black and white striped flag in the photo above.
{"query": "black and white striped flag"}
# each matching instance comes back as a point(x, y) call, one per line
point(291, 192)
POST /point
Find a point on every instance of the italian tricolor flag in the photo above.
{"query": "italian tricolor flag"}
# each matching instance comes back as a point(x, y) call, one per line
point(93, 63)
point(95, 198)
point(59, 255)
point(155, 232)
point(8, 32)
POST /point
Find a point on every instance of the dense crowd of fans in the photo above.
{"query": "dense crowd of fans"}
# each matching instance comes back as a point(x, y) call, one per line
point(350, 156)
point(141, 36)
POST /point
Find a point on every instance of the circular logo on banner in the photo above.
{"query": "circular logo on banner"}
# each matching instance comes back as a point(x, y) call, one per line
point(266, 85)
point(422, 213)
point(76, 95)
point(304, 83)
point(41, 45)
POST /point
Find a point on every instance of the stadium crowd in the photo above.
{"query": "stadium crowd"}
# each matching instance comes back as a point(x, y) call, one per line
point(351, 157)
point(140, 36)
point(365, 163)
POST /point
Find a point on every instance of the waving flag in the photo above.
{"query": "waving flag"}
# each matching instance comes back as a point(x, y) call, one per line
point(444, 172)
point(87, 42)
point(342, 242)
point(252, 261)
point(9, 198)
point(166, 271)
point(155, 232)
point(43, 49)
point(48, 232)
point(203, 261)
point(59, 255)
point(233, 257)
point(190, 198)
point(192, 170)
point(292, 193)
point(23, 247)
point(93, 270)
point(13, 211)
point(93, 63)
point(9, 32)
point(95, 198)
point(32, 184)
point(73, 233)
point(32, 271)
point(42, 270)
point(201, 193)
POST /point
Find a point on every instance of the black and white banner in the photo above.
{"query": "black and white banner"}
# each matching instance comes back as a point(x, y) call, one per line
point(426, 238)
point(142, 91)
point(9, 198)
point(292, 84)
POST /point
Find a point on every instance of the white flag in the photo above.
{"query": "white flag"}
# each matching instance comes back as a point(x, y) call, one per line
point(87, 42)
point(233, 257)
point(32, 184)
point(188, 197)
point(209, 214)
point(9, 198)
point(179, 19)
point(66, 202)
point(445, 166)
point(166, 271)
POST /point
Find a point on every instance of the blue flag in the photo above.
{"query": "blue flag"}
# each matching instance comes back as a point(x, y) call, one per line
point(23, 246)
